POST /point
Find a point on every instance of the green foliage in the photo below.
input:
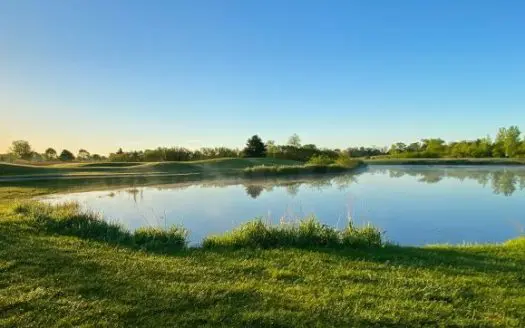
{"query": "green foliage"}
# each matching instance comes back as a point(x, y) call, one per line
point(66, 155)
point(21, 149)
point(271, 148)
point(70, 219)
point(433, 146)
point(366, 236)
point(83, 155)
point(302, 154)
point(175, 154)
point(398, 148)
point(161, 239)
point(96, 157)
point(294, 141)
point(479, 148)
point(255, 147)
point(263, 170)
point(344, 159)
point(50, 154)
point(303, 234)
point(506, 144)
point(509, 140)
point(320, 160)
point(365, 151)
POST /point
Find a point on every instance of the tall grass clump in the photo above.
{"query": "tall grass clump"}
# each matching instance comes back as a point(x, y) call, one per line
point(152, 238)
point(303, 234)
point(70, 219)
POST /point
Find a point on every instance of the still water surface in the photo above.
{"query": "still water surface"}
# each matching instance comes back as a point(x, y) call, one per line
point(414, 205)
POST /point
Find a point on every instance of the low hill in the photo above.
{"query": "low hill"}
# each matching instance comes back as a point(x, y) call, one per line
point(222, 164)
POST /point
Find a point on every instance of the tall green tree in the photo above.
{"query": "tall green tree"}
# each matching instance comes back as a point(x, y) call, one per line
point(413, 147)
point(294, 140)
point(434, 146)
point(50, 153)
point(66, 155)
point(483, 147)
point(508, 139)
point(21, 149)
point(398, 148)
point(254, 147)
point(271, 148)
point(83, 154)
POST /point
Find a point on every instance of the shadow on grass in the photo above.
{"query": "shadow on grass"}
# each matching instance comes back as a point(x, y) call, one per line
point(450, 259)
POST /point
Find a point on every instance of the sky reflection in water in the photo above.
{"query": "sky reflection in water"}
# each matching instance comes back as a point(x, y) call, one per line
point(414, 204)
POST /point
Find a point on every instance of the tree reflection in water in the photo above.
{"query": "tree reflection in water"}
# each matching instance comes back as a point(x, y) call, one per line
point(292, 187)
point(254, 191)
point(503, 181)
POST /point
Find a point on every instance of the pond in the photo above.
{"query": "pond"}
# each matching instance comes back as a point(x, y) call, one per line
point(414, 205)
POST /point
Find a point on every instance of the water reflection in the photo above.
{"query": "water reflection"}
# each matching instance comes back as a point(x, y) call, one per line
point(135, 193)
point(502, 180)
point(415, 205)
point(254, 190)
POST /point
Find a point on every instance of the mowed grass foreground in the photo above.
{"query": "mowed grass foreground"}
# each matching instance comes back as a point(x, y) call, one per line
point(56, 271)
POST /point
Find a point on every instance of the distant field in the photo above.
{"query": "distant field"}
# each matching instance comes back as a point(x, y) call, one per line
point(445, 161)
point(112, 168)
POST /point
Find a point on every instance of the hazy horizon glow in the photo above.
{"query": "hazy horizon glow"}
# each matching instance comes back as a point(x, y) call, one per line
point(101, 75)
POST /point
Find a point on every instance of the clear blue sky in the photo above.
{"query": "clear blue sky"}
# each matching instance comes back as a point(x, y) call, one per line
point(139, 74)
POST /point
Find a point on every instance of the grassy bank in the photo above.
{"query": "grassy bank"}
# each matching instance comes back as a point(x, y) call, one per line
point(110, 168)
point(276, 170)
point(57, 271)
point(445, 161)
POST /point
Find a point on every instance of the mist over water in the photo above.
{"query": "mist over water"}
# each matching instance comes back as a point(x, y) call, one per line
point(414, 205)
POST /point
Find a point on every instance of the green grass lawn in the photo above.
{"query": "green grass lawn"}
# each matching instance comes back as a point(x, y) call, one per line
point(53, 278)
point(109, 168)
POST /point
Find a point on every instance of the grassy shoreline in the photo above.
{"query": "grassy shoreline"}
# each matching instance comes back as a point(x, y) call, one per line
point(246, 167)
point(445, 161)
point(215, 165)
point(54, 277)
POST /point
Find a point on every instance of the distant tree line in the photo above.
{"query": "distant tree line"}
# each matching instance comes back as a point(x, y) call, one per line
point(508, 143)
point(21, 149)
point(161, 154)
